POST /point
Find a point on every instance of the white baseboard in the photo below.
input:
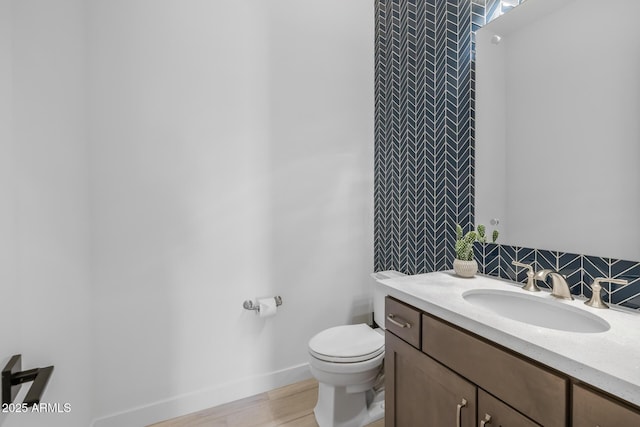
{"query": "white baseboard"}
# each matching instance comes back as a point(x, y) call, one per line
point(197, 401)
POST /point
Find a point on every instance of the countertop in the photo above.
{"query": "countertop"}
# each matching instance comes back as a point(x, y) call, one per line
point(607, 360)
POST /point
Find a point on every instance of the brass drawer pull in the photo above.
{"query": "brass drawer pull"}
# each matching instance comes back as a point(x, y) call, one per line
point(461, 405)
point(392, 318)
point(487, 420)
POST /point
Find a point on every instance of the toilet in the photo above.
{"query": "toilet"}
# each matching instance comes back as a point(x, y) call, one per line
point(347, 361)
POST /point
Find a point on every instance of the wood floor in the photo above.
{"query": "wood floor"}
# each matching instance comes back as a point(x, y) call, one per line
point(290, 406)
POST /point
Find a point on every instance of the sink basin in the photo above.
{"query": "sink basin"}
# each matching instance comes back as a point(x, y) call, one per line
point(546, 313)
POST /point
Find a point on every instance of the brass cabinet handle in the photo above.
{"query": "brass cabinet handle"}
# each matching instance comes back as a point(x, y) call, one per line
point(461, 405)
point(487, 420)
point(392, 318)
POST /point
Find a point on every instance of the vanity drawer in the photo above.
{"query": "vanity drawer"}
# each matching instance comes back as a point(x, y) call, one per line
point(530, 389)
point(403, 321)
point(592, 409)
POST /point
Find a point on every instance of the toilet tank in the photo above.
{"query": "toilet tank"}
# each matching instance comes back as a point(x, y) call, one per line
point(379, 294)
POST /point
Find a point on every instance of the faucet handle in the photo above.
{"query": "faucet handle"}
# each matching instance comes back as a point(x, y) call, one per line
point(596, 298)
point(531, 284)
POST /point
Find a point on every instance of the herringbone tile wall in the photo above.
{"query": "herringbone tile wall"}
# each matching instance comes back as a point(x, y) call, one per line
point(424, 148)
point(424, 129)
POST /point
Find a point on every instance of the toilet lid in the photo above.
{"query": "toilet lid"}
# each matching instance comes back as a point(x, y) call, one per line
point(347, 344)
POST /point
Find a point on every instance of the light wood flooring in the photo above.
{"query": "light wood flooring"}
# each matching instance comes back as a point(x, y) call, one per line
point(290, 406)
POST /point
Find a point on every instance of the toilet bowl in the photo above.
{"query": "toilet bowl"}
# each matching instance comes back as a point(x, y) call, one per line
point(347, 362)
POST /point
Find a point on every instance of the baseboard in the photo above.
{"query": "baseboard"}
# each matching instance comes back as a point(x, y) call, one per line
point(197, 401)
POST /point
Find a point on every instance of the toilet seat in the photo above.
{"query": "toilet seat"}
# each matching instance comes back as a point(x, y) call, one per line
point(347, 344)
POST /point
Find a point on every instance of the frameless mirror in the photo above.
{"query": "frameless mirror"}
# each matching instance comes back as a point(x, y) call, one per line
point(558, 126)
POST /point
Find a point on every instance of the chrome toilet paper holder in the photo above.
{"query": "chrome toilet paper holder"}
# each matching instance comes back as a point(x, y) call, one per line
point(249, 305)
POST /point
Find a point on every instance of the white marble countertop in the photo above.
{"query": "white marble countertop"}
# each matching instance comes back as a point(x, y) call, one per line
point(607, 360)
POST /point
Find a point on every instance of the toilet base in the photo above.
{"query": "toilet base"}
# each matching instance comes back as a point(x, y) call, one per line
point(338, 408)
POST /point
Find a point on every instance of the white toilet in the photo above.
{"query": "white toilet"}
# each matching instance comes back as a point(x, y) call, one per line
point(347, 362)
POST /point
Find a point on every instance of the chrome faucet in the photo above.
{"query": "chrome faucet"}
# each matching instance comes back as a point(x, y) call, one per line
point(560, 287)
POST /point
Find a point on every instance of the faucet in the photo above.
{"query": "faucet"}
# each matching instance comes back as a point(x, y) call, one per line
point(558, 281)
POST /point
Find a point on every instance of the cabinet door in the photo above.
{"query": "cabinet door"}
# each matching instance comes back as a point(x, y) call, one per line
point(591, 409)
point(494, 413)
point(420, 392)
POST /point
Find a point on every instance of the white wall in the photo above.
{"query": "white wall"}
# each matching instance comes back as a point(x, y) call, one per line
point(9, 289)
point(227, 154)
point(44, 254)
point(231, 158)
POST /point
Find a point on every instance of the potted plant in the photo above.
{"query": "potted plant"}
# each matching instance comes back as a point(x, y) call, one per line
point(464, 264)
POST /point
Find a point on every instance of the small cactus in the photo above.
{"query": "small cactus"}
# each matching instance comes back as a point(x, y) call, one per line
point(470, 237)
point(482, 238)
point(464, 243)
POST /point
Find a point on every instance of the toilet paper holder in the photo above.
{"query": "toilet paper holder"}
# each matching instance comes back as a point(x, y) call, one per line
point(249, 305)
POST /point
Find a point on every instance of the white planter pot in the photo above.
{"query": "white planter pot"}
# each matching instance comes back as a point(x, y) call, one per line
point(465, 268)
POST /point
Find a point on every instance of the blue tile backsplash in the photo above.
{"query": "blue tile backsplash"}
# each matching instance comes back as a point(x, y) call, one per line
point(580, 270)
point(424, 151)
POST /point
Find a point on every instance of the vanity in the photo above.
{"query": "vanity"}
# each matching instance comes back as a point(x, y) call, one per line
point(454, 361)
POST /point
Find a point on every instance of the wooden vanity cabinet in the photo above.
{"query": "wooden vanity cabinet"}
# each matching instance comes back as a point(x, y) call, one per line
point(591, 409)
point(421, 392)
point(450, 378)
point(433, 368)
point(435, 371)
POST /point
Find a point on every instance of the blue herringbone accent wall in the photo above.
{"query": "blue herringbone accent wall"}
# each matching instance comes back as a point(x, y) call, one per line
point(424, 149)
point(424, 130)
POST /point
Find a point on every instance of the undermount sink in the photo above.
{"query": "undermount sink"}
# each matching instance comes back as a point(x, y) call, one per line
point(536, 311)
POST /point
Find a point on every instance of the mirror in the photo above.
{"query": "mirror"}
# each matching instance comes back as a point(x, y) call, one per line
point(558, 126)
